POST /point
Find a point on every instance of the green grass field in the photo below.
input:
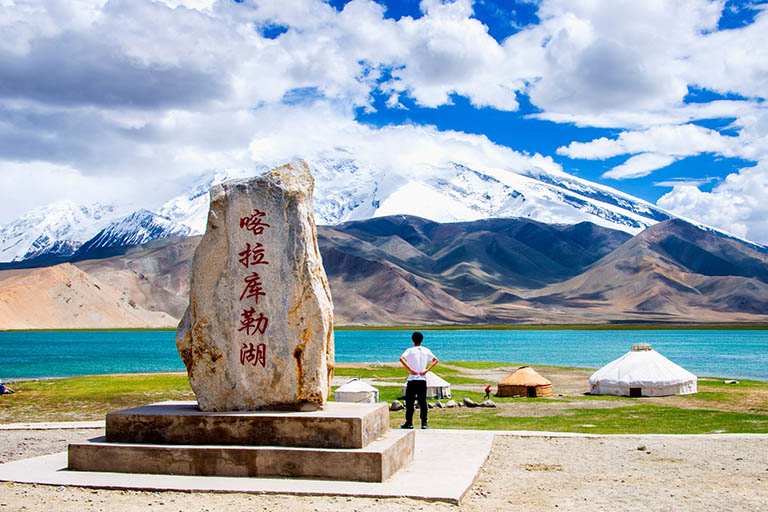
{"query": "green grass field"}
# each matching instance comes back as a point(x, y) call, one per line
point(717, 407)
point(89, 398)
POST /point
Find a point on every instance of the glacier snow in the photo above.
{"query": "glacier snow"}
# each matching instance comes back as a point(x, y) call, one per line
point(345, 189)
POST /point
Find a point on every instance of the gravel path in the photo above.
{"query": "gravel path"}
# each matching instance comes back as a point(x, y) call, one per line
point(23, 444)
point(643, 473)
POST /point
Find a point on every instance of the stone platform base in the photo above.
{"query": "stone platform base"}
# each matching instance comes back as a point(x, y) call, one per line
point(374, 463)
point(339, 425)
point(343, 442)
point(445, 464)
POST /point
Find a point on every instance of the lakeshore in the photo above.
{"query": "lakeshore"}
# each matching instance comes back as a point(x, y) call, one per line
point(727, 353)
point(609, 465)
point(741, 407)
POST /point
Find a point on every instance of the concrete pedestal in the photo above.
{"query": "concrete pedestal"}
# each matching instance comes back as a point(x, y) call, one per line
point(342, 442)
point(339, 425)
point(374, 463)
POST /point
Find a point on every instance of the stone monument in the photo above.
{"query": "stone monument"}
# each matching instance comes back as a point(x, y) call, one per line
point(257, 341)
point(258, 332)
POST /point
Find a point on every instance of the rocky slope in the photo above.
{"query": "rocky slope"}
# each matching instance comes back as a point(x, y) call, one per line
point(671, 271)
point(154, 275)
point(407, 270)
point(65, 297)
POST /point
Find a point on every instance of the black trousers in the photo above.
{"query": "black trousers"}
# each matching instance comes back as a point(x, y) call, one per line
point(416, 390)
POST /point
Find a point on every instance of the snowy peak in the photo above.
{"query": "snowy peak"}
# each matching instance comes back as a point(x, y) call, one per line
point(191, 209)
point(346, 189)
point(591, 191)
point(351, 190)
point(58, 229)
point(138, 228)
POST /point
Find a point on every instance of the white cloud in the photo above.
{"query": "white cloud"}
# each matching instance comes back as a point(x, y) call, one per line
point(448, 52)
point(737, 205)
point(616, 56)
point(282, 134)
point(639, 120)
point(639, 165)
point(680, 182)
point(171, 151)
point(155, 90)
point(35, 184)
point(584, 62)
point(677, 141)
point(732, 60)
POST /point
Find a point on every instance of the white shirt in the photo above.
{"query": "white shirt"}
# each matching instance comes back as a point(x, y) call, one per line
point(418, 358)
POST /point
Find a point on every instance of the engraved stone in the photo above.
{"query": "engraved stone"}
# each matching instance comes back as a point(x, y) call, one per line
point(258, 332)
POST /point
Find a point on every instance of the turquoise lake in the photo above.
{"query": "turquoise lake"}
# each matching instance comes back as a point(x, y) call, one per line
point(738, 354)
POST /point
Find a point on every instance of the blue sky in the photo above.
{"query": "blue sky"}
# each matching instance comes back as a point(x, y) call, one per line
point(518, 131)
point(129, 100)
point(521, 132)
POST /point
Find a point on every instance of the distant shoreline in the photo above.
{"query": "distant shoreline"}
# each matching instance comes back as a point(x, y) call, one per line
point(563, 327)
point(366, 364)
point(542, 327)
point(732, 351)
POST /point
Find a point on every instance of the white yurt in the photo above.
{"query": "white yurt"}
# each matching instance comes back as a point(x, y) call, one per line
point(437, 387)
point(356, 391)
point(642, 372)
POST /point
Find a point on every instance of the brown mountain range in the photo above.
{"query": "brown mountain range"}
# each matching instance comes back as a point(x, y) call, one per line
point(672, 271)
point(407, 270)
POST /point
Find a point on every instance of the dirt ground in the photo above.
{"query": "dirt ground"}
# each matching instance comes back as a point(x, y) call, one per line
point(642, 473)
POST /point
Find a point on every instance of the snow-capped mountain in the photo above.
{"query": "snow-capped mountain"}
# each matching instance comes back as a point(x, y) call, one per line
point(191, 208)
point(58, 229)
point(140, 227)
point(348, 189)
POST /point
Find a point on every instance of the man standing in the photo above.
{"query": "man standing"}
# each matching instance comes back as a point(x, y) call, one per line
point(418, 361)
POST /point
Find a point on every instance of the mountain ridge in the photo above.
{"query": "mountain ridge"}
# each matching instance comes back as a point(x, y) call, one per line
point(346, 190)
point(409, 270)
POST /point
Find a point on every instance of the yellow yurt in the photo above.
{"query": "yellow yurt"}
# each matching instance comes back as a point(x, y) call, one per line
point(524, 382)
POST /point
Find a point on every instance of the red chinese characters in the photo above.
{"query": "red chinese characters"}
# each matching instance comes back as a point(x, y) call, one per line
point(253, 355)
point(252, 288)
point(253, 256)
point(255, 223)
point(253, 322)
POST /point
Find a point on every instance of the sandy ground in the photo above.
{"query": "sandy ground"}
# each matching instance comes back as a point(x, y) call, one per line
point(643, 473)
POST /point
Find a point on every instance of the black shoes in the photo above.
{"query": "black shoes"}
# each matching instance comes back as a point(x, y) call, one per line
point(424, 426)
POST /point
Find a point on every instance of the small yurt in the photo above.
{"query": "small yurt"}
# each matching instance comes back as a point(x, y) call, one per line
point(437, 387)
point(356, 391)
point(642, 372)
point(525, 381)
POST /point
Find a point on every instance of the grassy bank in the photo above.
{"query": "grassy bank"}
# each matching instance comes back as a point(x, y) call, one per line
point(741, 407)
point(90, 397)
